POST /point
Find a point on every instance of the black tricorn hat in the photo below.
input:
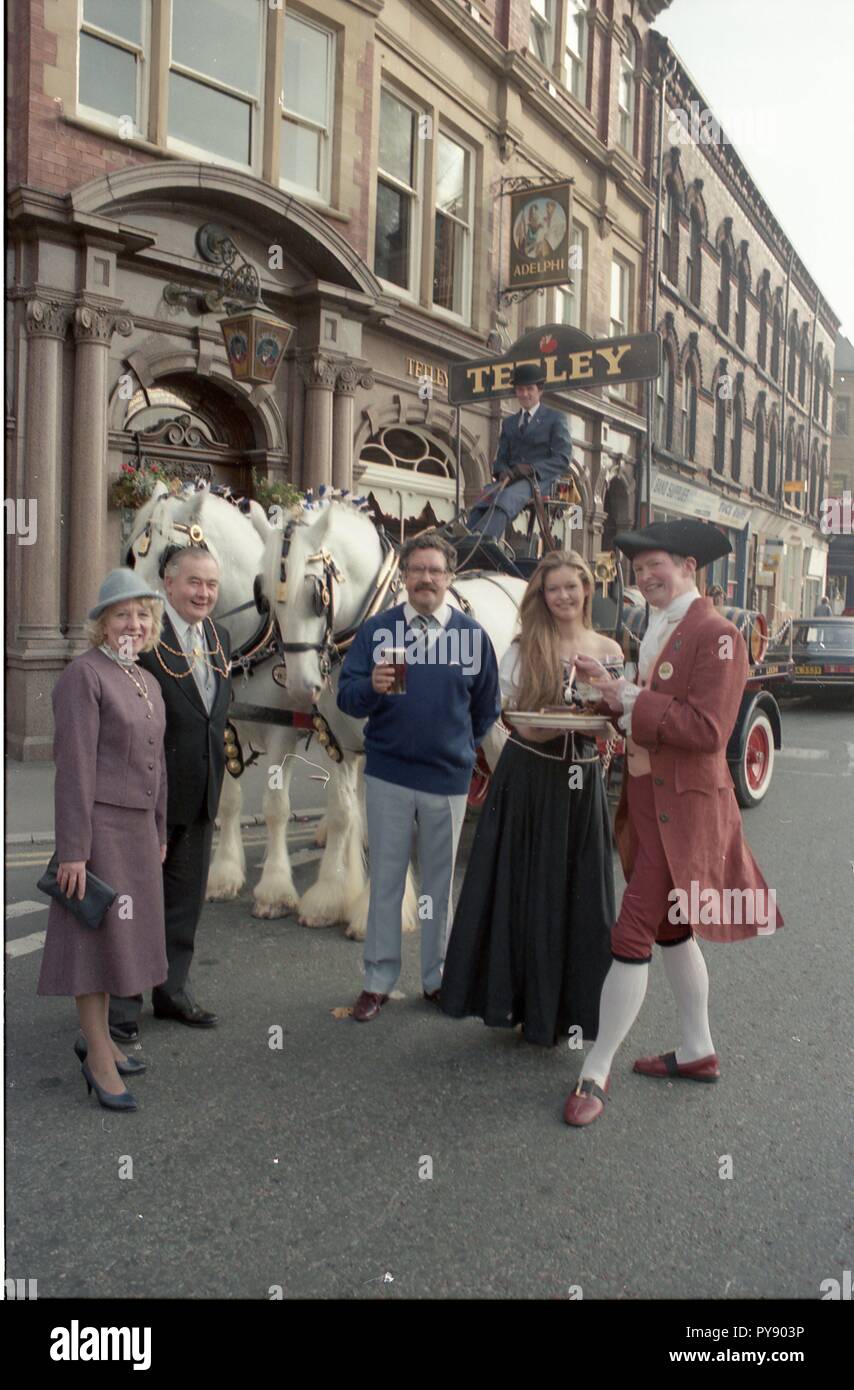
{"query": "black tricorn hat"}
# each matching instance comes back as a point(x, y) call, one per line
point(529, 374)
point(698, 538)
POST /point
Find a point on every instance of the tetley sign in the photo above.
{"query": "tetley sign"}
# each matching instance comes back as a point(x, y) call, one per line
point(570, 359)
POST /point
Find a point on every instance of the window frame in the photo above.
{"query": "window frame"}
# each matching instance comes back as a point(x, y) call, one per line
point(417, 192)
point(741, 307)
point(576, 294)
point(694, 276)
point(142, 55)
point(690, 399)
point(759, 453)
point(464, 315)
point(618, 262)
point(175, 145)
point(575, 65)
point(548, 27)
point(724, 289)
point(737, 441)
point(626, 115)
point(665, 401)
point(324, 195)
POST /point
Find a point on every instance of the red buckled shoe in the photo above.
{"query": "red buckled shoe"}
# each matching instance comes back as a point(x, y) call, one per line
point(368, 1005)
point(666, 1066)
point(586, 1102)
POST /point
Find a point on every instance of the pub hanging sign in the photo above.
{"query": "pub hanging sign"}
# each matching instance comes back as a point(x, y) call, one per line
point(540, 221)
point(570, 360)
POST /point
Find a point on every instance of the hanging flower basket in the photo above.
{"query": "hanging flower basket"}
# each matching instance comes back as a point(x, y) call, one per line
point(133, 487)
point(274, 492)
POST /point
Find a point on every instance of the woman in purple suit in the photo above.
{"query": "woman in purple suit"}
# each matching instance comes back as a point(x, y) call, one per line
point(110, 809)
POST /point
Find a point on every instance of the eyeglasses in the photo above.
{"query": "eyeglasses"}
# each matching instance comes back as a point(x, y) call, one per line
point(418, 570)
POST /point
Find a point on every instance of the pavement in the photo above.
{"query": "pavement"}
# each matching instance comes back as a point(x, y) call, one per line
point(292, 1150)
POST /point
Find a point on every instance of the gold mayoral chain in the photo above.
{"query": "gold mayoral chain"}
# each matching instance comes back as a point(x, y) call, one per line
point(199, 653)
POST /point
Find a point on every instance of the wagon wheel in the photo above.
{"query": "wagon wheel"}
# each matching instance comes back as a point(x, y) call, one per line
point(752, 775)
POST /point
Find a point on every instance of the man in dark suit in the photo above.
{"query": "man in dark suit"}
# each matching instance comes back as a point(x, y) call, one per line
point(191, 664)
point(534, 443)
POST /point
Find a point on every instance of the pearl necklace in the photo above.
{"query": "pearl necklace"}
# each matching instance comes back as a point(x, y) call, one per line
point(134, 675)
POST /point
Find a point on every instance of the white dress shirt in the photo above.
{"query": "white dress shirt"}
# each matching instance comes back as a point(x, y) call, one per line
point(192, 636)
point(662, 621)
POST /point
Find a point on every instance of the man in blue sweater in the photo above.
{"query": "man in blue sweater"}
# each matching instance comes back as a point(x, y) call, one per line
point(420, 752)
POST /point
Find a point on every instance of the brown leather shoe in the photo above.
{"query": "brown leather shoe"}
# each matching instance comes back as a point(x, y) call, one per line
point(586, 1102)
point(434, 997)
point(367, 1006)
point(667, 1067)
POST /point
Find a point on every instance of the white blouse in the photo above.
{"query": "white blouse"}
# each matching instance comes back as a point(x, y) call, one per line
point(508, 674)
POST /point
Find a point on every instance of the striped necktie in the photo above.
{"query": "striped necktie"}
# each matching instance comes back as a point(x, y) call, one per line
point(202, 672)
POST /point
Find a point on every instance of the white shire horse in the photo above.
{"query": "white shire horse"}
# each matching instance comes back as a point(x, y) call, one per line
point(237, 541)
point(336, 551)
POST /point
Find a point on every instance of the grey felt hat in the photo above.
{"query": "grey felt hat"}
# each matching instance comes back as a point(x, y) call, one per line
point(119, 586)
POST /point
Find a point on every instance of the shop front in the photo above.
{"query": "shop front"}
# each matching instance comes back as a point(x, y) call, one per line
point(672, 498)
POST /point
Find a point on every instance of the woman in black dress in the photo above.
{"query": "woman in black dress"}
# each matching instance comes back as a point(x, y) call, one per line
point(530, 942)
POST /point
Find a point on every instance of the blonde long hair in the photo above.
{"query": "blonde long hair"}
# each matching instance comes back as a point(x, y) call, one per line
point(540, 681)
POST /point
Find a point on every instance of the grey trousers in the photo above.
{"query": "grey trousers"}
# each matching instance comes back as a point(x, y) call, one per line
point(393, 814)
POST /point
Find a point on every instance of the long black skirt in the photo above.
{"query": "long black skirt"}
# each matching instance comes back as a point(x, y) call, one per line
point(530, 941)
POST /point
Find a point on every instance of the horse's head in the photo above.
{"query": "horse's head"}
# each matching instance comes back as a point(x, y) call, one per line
point(234, 537)
point(318, 574)
point(147, 538)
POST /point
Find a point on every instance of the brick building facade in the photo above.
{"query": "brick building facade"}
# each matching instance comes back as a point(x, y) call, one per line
point(742, 428)
point(356, 151)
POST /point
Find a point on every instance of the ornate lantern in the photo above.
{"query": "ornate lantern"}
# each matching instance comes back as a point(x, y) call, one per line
point(255, 341)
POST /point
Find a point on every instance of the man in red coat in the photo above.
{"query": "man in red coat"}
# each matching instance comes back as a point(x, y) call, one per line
point(678, 826)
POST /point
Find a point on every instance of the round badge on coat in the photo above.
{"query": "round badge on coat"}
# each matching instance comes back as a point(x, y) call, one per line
point(665, 670)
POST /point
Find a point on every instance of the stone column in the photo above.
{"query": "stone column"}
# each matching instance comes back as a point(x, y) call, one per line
point(347, 380)
point(47, 325)
point(94, 326)
point(319, 376)
point(36, 648)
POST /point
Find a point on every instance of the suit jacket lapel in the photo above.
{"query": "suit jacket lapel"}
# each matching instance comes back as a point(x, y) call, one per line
point(222, 682)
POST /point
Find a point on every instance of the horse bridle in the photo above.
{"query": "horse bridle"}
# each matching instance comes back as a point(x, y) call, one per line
point(333, 645)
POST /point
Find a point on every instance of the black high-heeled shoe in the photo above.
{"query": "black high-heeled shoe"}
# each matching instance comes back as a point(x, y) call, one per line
point(129, 1067)
point(123, 1101)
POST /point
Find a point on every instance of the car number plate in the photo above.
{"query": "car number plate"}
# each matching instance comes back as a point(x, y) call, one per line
point(807, 670)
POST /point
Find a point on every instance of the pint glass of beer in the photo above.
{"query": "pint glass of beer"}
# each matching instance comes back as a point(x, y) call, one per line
point(396, 657)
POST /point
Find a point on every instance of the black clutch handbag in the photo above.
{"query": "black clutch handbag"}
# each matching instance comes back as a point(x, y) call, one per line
point(91, 909)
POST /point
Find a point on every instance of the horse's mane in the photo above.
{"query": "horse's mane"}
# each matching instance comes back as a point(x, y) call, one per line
point(316, 512)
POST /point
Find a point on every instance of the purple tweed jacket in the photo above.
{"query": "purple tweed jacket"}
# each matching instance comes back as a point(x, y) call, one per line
point(106, 749)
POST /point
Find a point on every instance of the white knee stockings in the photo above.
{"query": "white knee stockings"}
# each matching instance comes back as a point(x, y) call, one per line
point(622, 996)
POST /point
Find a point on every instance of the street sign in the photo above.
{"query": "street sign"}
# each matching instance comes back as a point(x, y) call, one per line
point(795, 485)
point(570, 360)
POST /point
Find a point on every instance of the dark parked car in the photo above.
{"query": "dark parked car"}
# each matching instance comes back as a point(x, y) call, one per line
point(823, 652)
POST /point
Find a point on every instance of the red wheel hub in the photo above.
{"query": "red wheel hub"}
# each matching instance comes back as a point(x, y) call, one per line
point(758, 756)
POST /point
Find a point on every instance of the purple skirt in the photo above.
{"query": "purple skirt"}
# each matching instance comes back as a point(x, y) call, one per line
point(127, 953)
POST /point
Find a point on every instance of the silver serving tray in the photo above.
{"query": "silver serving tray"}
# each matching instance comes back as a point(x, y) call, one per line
point(593, 724)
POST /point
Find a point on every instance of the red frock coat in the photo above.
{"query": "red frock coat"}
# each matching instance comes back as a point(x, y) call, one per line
point(684, 718)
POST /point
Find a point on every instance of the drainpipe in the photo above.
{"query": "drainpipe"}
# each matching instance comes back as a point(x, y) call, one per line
point(811, 406)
